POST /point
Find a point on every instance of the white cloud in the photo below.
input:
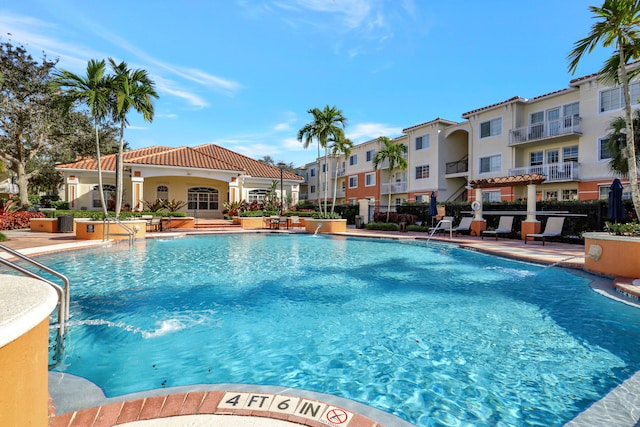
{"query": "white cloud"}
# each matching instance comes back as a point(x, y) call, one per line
point(368, 131)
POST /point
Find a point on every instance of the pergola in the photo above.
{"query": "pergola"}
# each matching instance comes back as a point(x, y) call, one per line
point(528, 179)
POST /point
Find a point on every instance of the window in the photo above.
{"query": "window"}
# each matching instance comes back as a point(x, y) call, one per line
point(370, 155)
point(370, 180)
point(603, 192)
point(162, 192)
point(570, 194)
point(491, 163)
point(312, 172)
point(491, 196)
point(491, 128)
point(109, 192)
point(420, 198)
point(398, 201)
point(422, 142)
point(353, 182)
point(257, 195)
point(312, 189)
point(571, 110)
point(353, 160)
point(324, 167)
point(570, 154)
point(603, 151)
point(613, 99)
point(535, 158)
point(202, 198)
point(422, 172)
point(553, 156)
point(551, 195)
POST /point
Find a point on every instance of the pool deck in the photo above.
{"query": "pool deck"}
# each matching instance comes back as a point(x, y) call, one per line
point(76, 402)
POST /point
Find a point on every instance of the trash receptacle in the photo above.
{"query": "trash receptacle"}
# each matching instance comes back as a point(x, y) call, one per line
point(65, 224)
point(358, 221)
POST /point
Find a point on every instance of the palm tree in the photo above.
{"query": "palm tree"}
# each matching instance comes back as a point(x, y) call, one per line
point(129, 89)
point(618, 26)
point(93, 90)
point(617, 142)
point(395, 154)
point(323, 128)
point(341, 147)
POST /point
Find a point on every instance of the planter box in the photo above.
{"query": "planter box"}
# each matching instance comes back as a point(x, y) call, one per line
point(44, 225)
point(94, 230)
point(182, 222)
point(328, 225)
point(252, 222)
point(611, 255)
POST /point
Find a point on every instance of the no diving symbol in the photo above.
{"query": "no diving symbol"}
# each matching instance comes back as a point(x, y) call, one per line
point(336, 416)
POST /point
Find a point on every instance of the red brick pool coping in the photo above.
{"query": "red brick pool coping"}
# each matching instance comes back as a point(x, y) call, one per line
point(194, 403)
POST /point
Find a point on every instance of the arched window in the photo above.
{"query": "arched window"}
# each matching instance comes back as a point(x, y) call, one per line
point(162, 192)
point(257, 195)
point(202, 199)
point(109, 196)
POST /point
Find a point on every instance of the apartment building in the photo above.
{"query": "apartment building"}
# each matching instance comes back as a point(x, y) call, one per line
point(560, 135)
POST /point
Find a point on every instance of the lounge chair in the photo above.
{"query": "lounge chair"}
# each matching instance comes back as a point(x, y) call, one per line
point(504, 227)
point(154, 224)
point(443, 225)
point(464, 226)
point(553, 228)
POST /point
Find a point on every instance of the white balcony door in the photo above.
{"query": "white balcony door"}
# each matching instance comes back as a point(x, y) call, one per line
point(553, 117)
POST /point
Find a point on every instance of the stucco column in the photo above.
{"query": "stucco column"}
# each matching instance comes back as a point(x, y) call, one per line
point(530, 225)
point(363, 210)
point(295, 194)
point(479, 224)
point(137, 195)
point(72, 191)
point(234, 191)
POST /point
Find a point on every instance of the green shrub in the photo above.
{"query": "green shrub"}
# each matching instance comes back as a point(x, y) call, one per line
point(328, 215)
point(629, 229)
point(252, 213)
point(385, 226)
point(3, 238)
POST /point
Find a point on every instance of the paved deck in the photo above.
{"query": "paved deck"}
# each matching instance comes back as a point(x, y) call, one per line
point(205, 405)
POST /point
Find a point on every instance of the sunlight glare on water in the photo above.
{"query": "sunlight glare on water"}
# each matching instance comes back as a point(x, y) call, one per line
point(434, 334)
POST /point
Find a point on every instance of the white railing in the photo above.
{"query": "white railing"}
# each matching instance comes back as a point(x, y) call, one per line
point(396, 187)
point(567, 171)
point(341, 172)
point(340, 192)
point(544, 130)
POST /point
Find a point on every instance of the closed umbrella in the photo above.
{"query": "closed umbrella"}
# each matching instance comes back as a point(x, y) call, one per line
point(615, 208)
point(433, 206)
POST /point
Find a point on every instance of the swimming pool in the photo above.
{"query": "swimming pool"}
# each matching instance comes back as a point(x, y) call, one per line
point(435, 334)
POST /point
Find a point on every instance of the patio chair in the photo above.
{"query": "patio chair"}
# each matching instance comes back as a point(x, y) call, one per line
point(464, 226)
point(295, 221)
point(505, 226)
point(154, 223)
point(274, 222)
point(553, 228)
point(443, 226)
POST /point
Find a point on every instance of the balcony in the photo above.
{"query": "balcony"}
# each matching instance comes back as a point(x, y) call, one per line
point(396, 187)
point(341, 172)
point(545, 130)
point(567, 171)
point(340, 193)
point(460, 166)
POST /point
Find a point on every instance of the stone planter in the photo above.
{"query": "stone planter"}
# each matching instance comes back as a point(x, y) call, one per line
point(327, 225)
point(611, 255)
point(95, 230)
point(182, 222)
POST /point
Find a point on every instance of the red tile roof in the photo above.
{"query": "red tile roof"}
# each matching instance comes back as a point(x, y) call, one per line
point(436, 120)
point(488, 107)
point(208, 156)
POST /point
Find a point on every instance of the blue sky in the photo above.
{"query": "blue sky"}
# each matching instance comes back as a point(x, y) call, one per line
point(243, 73)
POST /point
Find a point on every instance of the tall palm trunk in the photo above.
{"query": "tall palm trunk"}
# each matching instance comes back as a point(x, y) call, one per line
point(335, 189)
point(98, 160)
point(318, 180)
point(326, 176)
point(632, 160)
point(119, 171)
point(389, 196)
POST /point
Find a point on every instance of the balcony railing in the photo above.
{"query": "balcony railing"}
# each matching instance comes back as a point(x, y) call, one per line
point(458, 167)
point(341, 172)
point(567, 171)
point(545, 130)
point(396, 187)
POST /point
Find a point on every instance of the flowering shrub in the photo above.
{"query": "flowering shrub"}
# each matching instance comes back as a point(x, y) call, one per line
point(17, 219)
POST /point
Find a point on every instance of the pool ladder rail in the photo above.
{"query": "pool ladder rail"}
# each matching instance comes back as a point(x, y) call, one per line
point(129, 232)
point(62, 291)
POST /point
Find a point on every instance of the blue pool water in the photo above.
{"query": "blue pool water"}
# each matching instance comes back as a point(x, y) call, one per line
point(434, 334)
